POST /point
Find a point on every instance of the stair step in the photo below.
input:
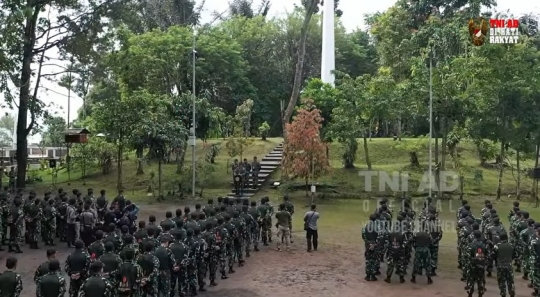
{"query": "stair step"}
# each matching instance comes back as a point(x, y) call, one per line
point(231, 194)
point(247, 190)
point(272, 158)
point(276, 163)
point(275, 154)
point(262, 176)
point(259, 184)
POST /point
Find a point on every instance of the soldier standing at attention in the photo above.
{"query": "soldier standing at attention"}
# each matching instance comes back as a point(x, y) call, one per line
point(212, 251)
point(96, 284)
point(166, 265)
point(290, 208)
point(77, 265)
point(16, 222)
point(129, 276)
point(180, 251)
point(10, 281)
point(4, 214)
point(209, 207)
point(422, 257)
point(395, 245)
point(370, 236)
point(478, 255)
point(534, 258)
point(249, 224)
point(111, 262)
point(52, 284)
point(436, 234)
point(263, 211)
point(284, 221)
point(43, 269)
point(49, 223)
point(150, 268)
point(503, 252)
point(255, 169)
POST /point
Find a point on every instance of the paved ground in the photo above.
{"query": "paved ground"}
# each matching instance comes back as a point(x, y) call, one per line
point(332, 271)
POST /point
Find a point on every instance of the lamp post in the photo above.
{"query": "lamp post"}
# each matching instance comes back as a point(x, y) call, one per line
point(193, 126)
point(430, 117)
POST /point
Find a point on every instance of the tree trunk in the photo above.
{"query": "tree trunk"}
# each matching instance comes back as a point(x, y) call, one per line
point(501, 170)
point(371, 128)
point(29, 39)
point(537, 155)
point(299, 66)
point(443, 155)
point(160, 173)
point(518, 181)
point(180, 159)
point(366, 152)
point(399, 128)
point(119, 160)
point(139, 152)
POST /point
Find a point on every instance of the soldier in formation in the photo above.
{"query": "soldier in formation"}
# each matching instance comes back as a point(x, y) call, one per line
point(178, 256)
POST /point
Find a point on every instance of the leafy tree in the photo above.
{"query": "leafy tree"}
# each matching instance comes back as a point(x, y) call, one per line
point(304, 153)
point(7, 130)
point(55, 131)
point(263, 130)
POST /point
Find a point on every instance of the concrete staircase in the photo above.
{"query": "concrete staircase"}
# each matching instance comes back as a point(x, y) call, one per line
point(269, 163)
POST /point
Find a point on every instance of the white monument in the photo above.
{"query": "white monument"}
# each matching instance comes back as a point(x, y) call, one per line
point(328, 61)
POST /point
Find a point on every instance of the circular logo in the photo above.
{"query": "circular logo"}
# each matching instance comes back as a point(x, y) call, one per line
point(478, 30)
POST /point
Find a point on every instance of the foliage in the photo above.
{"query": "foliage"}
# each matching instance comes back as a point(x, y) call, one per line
point(97, 152)
point(55, 131)
point(304, 154)
point(263, 130)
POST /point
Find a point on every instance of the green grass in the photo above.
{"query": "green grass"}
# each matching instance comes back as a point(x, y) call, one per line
point(136, 185)
point(385, 154)
point(393, 156)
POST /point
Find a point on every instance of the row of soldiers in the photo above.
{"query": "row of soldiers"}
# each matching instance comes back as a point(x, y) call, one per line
point(33, 220)
point(394, 242)
point(242, 171)
point(172, 257)
point(515, 250)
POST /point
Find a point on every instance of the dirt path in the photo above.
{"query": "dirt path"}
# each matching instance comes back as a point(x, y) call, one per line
point(332, 271)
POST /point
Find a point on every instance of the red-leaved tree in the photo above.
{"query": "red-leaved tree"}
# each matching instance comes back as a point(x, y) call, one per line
point(304, 153)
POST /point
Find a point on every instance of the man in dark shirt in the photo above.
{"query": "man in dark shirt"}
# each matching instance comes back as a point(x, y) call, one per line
point(503, 258)
point(43, 269)
point(10, 281)
point(52, 284)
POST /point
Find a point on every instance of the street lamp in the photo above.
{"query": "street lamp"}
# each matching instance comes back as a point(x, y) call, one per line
point(430, 116)
point(193, 126)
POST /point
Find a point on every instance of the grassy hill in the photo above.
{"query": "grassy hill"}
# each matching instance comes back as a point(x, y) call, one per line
point(385, 154)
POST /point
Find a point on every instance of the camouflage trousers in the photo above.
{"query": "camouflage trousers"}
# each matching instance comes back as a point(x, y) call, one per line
point(4, 228)
point(422, 261)
point(34, 231)
point(247, 243)
point(150, 288)
point(519, 250)
point(476, 276)
point(213, 262)
point(266, 232)
point(372, 262)
point(434, 253)
point(395, 262)
point(192, 281)
point(61, 229)
point(237, 246)
point(15, 235)
point(534, 275)
point(222, 256)
point(489, 263)
point(48, 229)
point(164, 283)
point(202, 269)
point(525, 262)
point(74, 286)
point(179, 278)
point(230, 254)
point(505, 279)
point(256, 235)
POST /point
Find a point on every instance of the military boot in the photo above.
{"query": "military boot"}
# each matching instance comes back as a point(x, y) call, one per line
point(241, 263)
point(374, 278)
point(401, 279)
point(202, 289)
point(388, 279)
point(256, 248)
point(413, 279)
point(18, 249)
point(231, 270)
point(429, 280)
point(525, 276)
point(213, 283)
point(11, 249)
point(529, 285)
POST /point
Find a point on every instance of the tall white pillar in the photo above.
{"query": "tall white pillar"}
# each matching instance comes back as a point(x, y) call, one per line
point(328, 61)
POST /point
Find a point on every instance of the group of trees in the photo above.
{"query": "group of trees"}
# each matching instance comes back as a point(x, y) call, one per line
point(485, 93)
point(131, 62)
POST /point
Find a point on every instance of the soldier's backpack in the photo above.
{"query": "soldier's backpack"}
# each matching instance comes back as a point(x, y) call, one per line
point(479, 259)
point(127, 273)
